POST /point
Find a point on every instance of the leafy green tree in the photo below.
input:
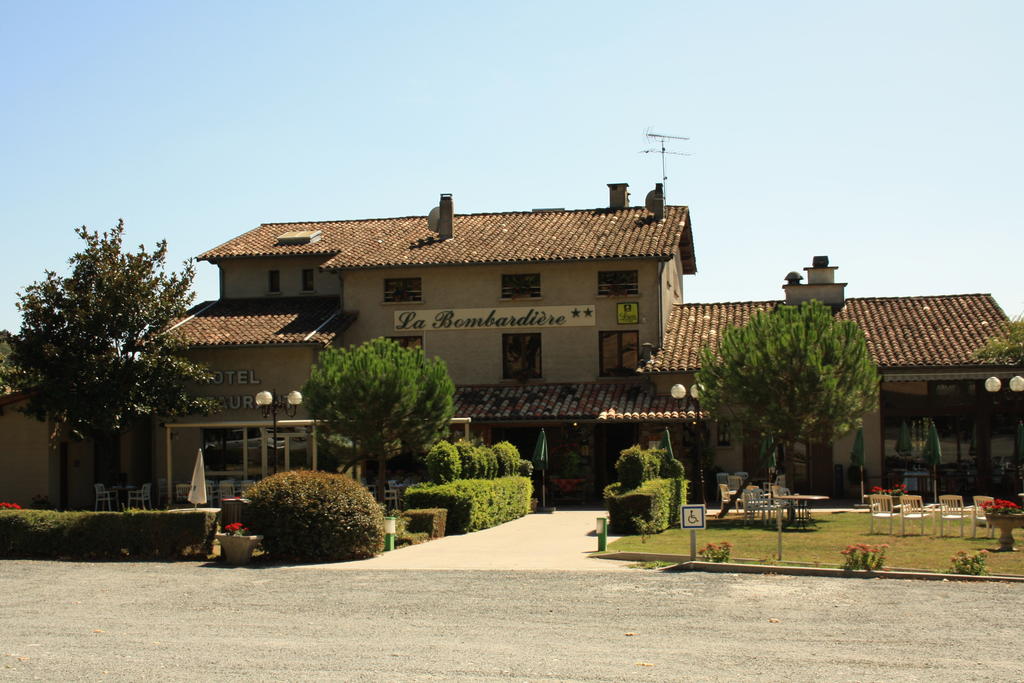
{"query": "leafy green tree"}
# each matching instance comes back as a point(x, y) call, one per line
point(1007, 347)
point(384, 397)
point(93, 348)
point(796, 374)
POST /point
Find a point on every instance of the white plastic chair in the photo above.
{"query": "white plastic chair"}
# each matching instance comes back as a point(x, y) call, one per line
point(105, 497)
point(881, 507)
point(142, 496)
point(211, 494)
point(911, 507)
point(952, 508)
point(226, 489)
point(978, 516)
point(181, 492)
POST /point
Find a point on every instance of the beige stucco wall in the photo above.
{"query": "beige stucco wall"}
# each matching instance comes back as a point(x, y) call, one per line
point(569, 354)
point(249, 277)
point(24, 457)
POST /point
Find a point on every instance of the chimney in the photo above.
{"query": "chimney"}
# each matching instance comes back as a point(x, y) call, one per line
point(821, 285)
point(445, 217)
point(618, 195)
point(655, 201)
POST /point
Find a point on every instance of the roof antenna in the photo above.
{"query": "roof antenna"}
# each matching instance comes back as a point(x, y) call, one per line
point(661, 140)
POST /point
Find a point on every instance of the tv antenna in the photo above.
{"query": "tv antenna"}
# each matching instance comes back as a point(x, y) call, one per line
point(660, 140)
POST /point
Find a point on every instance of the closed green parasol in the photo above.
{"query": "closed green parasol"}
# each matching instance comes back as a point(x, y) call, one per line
point(666, 443)
point(903, 444)
point(933, 456)
point(540, 461)
point(857, 458)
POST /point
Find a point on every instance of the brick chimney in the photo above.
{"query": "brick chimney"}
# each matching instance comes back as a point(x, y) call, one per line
point(445, 217)
point(821, 285)
point(618, 195)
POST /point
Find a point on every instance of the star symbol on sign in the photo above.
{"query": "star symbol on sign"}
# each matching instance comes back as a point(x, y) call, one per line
point(588, 312)
point(575, 312)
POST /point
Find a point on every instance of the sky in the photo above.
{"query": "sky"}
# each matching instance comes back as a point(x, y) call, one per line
point(886, 135)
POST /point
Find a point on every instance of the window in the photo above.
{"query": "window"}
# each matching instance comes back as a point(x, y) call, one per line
point(619, 356)
point(223, 449)
point(617, 283)
point(408, 342)
point(520, 286)
point(403, 289)
point(307, 279)
point(724, 434)
point(520, 356)
point(274, 281)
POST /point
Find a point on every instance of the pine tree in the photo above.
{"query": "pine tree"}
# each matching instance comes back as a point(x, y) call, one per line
point(384, 397)
point(795, 374)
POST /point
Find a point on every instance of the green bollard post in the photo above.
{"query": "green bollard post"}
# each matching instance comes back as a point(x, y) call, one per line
point(602, 534)
point(389, 533)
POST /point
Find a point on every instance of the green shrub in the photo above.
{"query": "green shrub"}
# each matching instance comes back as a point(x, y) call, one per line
point(443, 463)
point(656, 501)
point(131, 535)
point(508, 459)
point(716, 552)
point(430, 521)
point(474, 504)
point(864, 556)
point(488, 462)
point(309, 516)
point(636, 465)
point(525, 469)
point(669, 467)
point(469, 460)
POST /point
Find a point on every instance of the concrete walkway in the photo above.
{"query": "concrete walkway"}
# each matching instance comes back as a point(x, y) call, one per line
point(559, 540)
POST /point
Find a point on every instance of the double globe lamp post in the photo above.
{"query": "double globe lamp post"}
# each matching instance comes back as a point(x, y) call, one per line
point(270, 403)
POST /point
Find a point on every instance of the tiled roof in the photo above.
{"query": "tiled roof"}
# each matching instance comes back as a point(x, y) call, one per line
point(901, 332)
point(586, 401)
point(266, 320)
point(591, 234)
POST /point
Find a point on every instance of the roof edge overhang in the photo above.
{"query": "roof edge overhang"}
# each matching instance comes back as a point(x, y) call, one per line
point(948, 373)
point(510, 262)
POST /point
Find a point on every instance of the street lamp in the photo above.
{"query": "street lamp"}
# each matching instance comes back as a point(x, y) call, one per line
point(270, 403)
point(679, 392)
point(994, 385)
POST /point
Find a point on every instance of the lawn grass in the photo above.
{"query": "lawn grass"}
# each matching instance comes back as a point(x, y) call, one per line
point(820, 543)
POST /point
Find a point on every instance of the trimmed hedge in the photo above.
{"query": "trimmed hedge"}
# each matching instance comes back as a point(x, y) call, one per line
point(443, 463)
point(637, 465)
point(129, 535)
point(474, 504)
point(430, 521)
point(508, 458)
point(656, 500)
point(309, 516)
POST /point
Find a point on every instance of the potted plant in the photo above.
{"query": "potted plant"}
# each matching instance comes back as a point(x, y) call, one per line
point(1006, 516)
point(237, 543)
point(896, 491)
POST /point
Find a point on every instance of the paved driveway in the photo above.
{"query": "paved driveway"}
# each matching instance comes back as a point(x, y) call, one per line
point(559, 540)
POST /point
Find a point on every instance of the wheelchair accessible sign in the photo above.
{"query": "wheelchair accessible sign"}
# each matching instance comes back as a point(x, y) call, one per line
point(693, 517)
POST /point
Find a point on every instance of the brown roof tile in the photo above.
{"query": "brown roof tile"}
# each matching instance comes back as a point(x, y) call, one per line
point(901, 332)
point(591, 234)
point(586, 401)
point(267, 320)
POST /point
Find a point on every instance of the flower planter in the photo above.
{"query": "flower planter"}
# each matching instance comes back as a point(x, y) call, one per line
point(236, 550)
point(1006, 524)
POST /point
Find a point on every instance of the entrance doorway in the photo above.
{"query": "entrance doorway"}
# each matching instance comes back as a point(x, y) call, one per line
point(609, 441)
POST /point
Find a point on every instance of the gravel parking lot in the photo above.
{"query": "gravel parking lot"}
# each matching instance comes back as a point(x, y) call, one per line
point(193, 621)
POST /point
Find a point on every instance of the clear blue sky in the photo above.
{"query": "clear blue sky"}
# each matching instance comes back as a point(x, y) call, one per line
point(888, 135)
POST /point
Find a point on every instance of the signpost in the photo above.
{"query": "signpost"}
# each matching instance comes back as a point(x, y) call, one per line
point(693, 517)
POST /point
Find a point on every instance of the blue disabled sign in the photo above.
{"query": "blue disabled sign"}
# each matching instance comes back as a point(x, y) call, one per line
point(692, 516)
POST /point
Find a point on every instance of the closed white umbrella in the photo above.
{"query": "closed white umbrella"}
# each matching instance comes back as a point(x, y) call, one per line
point(197, 493)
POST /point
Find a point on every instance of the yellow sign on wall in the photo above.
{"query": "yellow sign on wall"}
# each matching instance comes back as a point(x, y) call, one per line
point(627, 314)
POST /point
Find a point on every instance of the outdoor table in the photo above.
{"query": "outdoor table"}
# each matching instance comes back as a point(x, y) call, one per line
point(121, 494)
point(799, 509)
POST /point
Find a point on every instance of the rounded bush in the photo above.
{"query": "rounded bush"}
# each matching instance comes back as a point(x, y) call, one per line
point(309, 516)
point(443, 463)
point(635, 466)
point(508, 458)
point(524, 468)
point(469, 459)
point(488, 462)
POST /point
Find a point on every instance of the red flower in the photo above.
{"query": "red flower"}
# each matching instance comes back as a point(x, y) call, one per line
point(9, 506)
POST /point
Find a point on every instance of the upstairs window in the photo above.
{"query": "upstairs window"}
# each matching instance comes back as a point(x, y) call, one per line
point(274, 281)
point(520, 286)
point(617, 283)
point(520, 356)
point(307, 279)
point(403, 289)
point(619, 357)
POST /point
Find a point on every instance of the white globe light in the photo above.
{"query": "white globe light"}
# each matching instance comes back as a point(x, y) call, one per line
point(696, 391)
point(264, 398)
point(294, 398)
point(678, 391)
point(1017, 383)
point(993, 384)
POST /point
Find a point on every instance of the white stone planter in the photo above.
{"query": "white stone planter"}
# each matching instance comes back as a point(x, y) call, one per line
point(237, 550)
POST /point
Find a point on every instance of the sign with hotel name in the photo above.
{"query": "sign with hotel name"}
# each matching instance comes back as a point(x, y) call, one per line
point(495, 318)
